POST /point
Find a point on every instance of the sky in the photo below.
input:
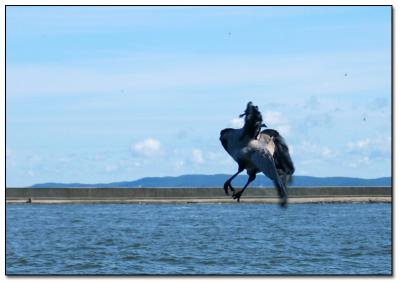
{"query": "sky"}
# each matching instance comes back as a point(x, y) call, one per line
point(105, 94)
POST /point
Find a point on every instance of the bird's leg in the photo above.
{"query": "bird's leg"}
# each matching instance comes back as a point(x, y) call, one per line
point(238, 194)
point(227, 184)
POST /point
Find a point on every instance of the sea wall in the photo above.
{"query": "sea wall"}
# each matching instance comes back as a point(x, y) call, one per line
point(117, 195)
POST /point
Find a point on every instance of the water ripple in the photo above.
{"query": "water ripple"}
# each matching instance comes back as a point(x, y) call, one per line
point(199, 239)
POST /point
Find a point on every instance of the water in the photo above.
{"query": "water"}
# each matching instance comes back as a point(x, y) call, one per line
point(198, 239)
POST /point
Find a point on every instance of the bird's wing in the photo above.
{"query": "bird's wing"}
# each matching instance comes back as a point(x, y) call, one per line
point(282, 156)
point(263, 160)
point(280, 152)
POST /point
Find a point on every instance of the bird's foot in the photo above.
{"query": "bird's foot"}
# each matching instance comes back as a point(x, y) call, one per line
point(237, 195)
point(227, 186)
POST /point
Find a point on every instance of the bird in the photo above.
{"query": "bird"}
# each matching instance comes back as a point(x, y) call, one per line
point(257, 151)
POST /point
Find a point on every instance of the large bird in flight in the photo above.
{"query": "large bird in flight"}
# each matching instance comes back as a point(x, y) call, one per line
point(258, 151)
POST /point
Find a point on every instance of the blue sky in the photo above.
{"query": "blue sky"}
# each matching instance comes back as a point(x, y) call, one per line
point(103, 94)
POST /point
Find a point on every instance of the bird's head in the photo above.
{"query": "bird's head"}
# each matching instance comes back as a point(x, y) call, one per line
point(250, 108)
point(252, 113)
point(253, 121)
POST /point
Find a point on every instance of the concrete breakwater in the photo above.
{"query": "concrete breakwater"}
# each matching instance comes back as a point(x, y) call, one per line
point(195, 195)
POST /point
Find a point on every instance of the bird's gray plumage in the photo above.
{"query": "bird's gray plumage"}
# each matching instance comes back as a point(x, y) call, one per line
point(257, 151)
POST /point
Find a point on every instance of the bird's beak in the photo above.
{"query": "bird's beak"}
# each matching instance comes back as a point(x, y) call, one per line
point(263, 125)
point(244, 113)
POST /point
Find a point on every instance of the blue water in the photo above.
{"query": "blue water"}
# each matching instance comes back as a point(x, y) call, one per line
point(198, 239)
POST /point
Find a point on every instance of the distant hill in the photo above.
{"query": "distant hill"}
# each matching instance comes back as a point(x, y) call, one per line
point(219, 179)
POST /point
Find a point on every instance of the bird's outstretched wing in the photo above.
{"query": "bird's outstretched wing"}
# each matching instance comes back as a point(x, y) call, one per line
point(281, 155)
point(264, 161)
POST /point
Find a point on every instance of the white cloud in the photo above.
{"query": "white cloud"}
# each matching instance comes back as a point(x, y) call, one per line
point(363, 143)
point(359, 144)
point(378, 103)
point(311, 150)
point(370, 148)
point(30, 173)
point(312, 102)
point(326, 152)
point(276, 120)
point(212, 156)
point(111, 168)
point(179, 165)
point(65, 159)
point(381, 143)
point(365, 159)
point(237, 122)
point(357, 162)
point(197, 156)
point(150, 147)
